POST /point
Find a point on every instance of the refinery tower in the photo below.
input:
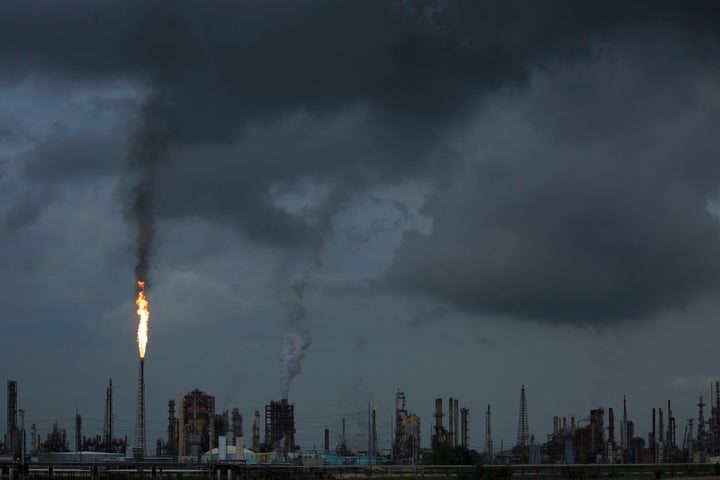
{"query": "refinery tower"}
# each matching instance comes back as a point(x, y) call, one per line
point(142, 337)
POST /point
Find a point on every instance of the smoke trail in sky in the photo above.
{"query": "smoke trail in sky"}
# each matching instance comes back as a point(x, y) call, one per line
point(149, 145)
point(142, 222)
point(296, 337)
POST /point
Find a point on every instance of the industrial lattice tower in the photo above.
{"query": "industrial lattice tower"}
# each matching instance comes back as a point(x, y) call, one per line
point(464, 414)
point(108, 423)
point(701, 446)
point(171, 448)
point(523, 433)
point(139, 448)
point(488, 437)
point(280, 426)
point(12, 443)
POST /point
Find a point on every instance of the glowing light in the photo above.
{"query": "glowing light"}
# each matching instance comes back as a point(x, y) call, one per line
point(143, 316)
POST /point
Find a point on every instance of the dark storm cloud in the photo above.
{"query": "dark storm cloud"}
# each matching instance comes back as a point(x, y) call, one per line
point(61, 159)
point(9, 131)
point(583, 199)
point(390, 81)
point(361, 344)
point(428, 315)
point(484, 341)
point(65, 157)
point(25, 208)
point(243, 183)
point(216, 65)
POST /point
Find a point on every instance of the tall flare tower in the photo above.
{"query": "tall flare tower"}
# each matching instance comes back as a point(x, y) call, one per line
point(142, 337)
point(139, 448)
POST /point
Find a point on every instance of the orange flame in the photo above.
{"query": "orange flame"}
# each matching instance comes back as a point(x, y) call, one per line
point(143, 315)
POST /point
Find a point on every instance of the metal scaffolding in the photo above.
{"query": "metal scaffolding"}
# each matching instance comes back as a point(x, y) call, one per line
point(523, 432)
point(108, 429)
point(280, 426)
point(139, 447)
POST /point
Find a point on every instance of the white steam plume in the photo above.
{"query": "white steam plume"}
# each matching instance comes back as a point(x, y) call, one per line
point(296, 337)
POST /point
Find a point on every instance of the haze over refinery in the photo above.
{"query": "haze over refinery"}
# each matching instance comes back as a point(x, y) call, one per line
point(325, 202)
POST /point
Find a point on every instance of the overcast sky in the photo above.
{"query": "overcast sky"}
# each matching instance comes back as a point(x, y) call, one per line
point(451, 198)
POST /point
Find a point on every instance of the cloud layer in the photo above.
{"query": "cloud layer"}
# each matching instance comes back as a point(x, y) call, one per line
point(584, 198)
point(569, 147)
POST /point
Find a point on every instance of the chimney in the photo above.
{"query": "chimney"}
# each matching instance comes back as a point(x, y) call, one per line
point(451, 422)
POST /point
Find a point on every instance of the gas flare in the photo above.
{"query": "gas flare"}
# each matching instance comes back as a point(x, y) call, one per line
point(143, 315)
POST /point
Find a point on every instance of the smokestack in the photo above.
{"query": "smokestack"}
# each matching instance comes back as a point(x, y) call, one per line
point(256, 432)
point(181, 426)
point(237, 423)
point(464, 412)
point(371, 417)
point(624, 441)
point(170, 449)
point(327, 440)
point(438, 420)
point(211, 421)
point(670, 434)
point(451, 423)
point(33, 438)
point(660, 438)
point(400, 414)
point(374, 432)
point(611, 428)
point(139, 448)
point(12, 441)
point(78, 431)
point(455, 426)
point(108, 422)
point(556, 422)
point(652, 440)
point(701, 445)
point(488, 438)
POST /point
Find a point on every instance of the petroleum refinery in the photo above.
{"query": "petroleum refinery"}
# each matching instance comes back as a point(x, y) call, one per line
point(198, 433)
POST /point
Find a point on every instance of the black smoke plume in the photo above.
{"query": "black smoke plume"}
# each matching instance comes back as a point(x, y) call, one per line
point(148, 150)
point(143, 222)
